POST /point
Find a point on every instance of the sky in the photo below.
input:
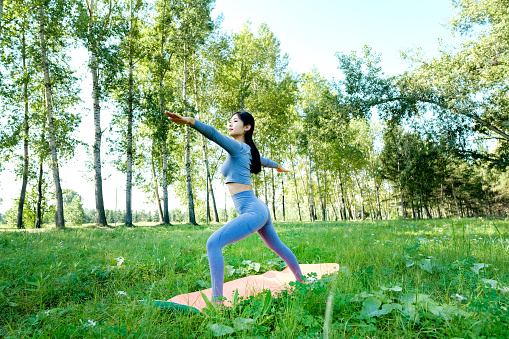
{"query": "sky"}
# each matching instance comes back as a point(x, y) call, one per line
point(310, 32)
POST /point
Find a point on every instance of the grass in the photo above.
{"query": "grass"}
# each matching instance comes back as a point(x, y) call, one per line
point(399, 279)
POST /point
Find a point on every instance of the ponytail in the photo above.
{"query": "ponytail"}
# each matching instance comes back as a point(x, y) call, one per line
point(247, 119)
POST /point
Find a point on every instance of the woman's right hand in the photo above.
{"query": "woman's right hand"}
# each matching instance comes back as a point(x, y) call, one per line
point(281, 169)
point(179, 120)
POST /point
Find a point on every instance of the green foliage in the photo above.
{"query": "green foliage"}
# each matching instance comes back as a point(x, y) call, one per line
point(73, 208)
point(88, 281)
point(450, 108)
point(118, 217)
point(471, 81)
point(248, 267)
point(30, 207)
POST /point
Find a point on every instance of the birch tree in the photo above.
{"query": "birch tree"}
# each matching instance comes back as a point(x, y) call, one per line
point(16, 88)
point(126, 92)
point(194, 26)
point(59, 212)
point(96, 28)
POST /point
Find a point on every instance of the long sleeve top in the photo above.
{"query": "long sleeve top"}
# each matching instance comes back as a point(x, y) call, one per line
point(237, 166)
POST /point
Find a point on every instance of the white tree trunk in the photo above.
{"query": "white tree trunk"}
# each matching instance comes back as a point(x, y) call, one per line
point(189, 185)
point(156, 189)
point(1, 16)
point(311, 198)
point(25, 139)
point(99, 202)
point(129, 160)
point(59, 212)
point(296, 191)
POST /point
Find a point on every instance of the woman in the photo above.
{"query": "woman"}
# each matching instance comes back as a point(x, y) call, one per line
point(243, 159)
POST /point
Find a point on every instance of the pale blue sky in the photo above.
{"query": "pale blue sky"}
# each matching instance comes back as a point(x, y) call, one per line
point(311, 32)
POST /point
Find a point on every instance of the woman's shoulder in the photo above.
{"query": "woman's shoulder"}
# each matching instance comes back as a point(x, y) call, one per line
point(245, 149)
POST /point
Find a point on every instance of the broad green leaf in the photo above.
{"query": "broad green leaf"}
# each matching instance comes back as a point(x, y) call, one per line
point(380, 295)
point(235, 298)
point(266, 302)
point(388, 308)
point(490, 283)
point(453, 311)
point(202, 283)
point(230, 270)
point(220, 329)
point(477, 267)
point(432, 307)
point(209, 304)
point(361, 296)
point(370, 307)
point(256, 266)
point(410, 311)
point(427, 265)
point(241, 324)
point(395, 288)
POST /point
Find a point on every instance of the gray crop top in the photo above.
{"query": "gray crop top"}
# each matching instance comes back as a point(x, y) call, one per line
point(237, 166)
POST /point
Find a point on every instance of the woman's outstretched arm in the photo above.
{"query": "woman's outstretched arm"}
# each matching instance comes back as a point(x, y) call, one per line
point(266, 162)
point(230, 145)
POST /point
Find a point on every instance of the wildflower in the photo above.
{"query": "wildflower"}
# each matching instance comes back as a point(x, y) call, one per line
point(90, 323)
point(310, 279)
point(459, 297)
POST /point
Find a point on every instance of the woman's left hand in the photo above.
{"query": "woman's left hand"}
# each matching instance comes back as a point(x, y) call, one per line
point(179, 120)
point(281, 169)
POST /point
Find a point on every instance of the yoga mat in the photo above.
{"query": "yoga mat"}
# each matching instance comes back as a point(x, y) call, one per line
point(274, 281)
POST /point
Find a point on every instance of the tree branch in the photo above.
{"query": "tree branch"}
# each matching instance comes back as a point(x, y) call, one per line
point(1, 16)
point(445, 105)
point(107, 21)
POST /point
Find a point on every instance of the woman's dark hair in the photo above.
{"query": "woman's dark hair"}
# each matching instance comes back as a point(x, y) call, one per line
point(248, 119)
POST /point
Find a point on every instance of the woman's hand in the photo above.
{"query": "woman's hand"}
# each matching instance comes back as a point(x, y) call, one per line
point(179, 120)
point(281, 169)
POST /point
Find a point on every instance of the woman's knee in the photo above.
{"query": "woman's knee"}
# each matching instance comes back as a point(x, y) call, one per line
point(213, 242)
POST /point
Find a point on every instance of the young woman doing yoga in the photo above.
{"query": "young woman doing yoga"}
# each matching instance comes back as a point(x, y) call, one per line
point(242, 159)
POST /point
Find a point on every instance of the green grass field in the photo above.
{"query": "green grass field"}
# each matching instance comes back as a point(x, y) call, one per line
point(399, 279)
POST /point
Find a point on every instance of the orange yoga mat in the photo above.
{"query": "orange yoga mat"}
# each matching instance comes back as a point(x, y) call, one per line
point(254, 284)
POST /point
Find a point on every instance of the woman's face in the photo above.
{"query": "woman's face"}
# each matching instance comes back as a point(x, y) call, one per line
point(236, 126)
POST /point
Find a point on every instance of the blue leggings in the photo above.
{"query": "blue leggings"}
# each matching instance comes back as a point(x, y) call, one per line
point(254, 216)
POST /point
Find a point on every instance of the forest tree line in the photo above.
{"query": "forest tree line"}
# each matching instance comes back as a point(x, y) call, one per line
point(439, 146)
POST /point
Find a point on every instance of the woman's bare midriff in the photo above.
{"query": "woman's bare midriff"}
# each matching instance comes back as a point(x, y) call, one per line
point(235, 188)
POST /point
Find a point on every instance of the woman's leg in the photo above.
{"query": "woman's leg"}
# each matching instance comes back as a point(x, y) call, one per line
point(237, 229)
point(271, 239)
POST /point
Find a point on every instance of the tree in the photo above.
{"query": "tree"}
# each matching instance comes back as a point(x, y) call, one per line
point(331, 137)
point(468, 83)
point(126, 93)
point(201, 70)
point(194, 25)
point(59, 211)
point(249, 73)
point(16, 89)
point(74, 213)
point(96, 28)
point(19, 222)
point(23, 90)
point(36, 207)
